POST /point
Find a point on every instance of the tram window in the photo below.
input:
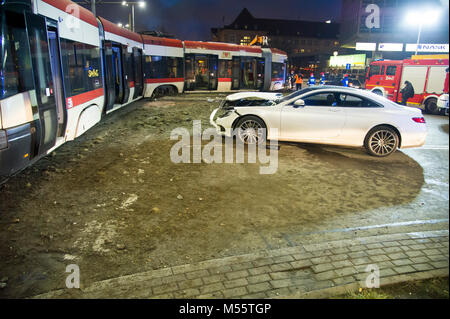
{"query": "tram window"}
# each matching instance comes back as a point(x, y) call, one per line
point(81, 67)
point(130, 73)
point(15, 68)
point(175, 66)
point(224, 68)
point(41, 59)
point(161, 67)
point(189, 65)
point(277, 70)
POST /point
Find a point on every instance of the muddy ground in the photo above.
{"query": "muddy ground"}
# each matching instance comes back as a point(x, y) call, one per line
point(113, 202)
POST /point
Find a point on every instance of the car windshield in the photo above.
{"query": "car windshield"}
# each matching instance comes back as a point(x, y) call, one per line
point(294, 94)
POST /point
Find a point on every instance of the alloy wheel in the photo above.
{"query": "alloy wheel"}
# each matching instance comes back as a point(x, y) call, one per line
point(250, 132)
point(383, 142)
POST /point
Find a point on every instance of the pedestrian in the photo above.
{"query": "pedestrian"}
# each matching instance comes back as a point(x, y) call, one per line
point(446, 81)
point(312, 80)
point(345, 80)
point(298, 81)
point(292, 80)
point(322, 78)
point(407, 92)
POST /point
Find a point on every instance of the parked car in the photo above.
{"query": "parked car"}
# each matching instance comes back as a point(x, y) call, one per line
point(338, 82)
point(442, 104)
point(322, 114)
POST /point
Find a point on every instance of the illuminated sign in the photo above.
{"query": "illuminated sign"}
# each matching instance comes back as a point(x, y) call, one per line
point(366, 46)
point(353, 60)
point(411, 47)
point(225, 55)
point(390, 47)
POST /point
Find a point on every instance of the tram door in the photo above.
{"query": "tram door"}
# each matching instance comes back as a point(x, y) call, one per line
point(213, 61)
point(48, 114)
point(127, 74)
point(235, 73)
point(138, 74)
point(109, 78)
point(260, 63)
point(201, 72)
point(248, 73)
point(117, 72)
point(55, 61)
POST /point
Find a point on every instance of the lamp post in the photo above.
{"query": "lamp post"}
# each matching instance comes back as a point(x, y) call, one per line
point(425, 16)
point(141, 4)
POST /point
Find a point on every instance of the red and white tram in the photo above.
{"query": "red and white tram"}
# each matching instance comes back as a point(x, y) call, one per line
point(62, 69)
point(163, 66)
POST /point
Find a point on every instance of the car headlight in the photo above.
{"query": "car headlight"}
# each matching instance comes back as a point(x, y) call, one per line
point(226, 113)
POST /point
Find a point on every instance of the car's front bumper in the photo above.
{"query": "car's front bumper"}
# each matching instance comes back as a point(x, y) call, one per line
point(223, 125)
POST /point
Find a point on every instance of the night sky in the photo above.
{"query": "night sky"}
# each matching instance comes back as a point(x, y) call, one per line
point(193, 19)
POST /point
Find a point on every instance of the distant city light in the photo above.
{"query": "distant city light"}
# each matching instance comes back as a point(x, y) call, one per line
point(328, 21)
point(124, 3)
point(127, 25)
point(335, 53)
point(141, 4)
point(120, 24)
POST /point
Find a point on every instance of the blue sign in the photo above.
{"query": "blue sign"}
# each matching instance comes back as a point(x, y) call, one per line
point(348, 66)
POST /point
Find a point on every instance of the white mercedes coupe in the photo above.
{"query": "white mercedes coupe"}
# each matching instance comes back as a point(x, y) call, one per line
point(324, 115)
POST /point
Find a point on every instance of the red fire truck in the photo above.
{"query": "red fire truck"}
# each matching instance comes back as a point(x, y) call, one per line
point(427, 76)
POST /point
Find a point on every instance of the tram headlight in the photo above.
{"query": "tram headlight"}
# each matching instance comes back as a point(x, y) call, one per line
point(3, 140)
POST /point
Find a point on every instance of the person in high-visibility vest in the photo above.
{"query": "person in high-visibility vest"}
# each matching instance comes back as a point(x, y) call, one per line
point(298, 81)
point(322, 78)
point(312, 80)
point(345, 80)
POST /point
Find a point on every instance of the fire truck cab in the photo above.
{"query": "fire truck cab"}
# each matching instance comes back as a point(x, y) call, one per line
point(427, 76)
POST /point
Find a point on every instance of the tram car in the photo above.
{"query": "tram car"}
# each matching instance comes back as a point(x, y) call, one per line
point(62, 69)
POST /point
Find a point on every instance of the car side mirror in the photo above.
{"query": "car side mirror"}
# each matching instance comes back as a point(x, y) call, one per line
point(299, 103)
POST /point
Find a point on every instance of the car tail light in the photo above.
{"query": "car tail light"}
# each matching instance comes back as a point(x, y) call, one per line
point(418, 119)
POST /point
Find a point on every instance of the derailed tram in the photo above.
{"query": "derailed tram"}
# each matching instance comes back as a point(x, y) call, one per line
point(62, 69)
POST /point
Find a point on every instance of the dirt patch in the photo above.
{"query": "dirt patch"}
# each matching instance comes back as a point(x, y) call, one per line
point(113, 202)
point(436, 288)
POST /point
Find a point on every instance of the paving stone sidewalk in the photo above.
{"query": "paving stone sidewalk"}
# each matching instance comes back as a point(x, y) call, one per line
point(294, 272)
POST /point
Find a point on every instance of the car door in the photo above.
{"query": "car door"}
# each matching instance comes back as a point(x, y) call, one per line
point(319, 119)
point(361, 114)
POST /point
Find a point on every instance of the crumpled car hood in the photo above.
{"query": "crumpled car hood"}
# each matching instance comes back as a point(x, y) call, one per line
point(261, 95)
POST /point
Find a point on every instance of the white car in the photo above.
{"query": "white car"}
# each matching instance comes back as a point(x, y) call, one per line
point(322, 114)
point(442, 103)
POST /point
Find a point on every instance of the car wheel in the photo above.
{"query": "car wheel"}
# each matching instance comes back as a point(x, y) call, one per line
point(431, 107)
point(251, 130)
point(381, 141)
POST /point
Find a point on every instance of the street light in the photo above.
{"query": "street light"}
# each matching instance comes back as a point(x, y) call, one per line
point(427, 16)
point(141, 4)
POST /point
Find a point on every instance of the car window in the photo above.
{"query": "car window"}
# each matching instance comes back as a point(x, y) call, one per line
point(320, 99)
point(295, 94)
point(349, 100)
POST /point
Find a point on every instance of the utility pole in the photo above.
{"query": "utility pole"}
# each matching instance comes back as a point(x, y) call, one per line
point(418, 35)
point(132, 17)
point(93, 7)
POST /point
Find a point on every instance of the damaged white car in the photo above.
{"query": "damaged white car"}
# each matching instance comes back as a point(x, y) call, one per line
point(322, 114)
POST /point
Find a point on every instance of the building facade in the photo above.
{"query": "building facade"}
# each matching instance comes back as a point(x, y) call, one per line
point(307, 43)
point(386, 22)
